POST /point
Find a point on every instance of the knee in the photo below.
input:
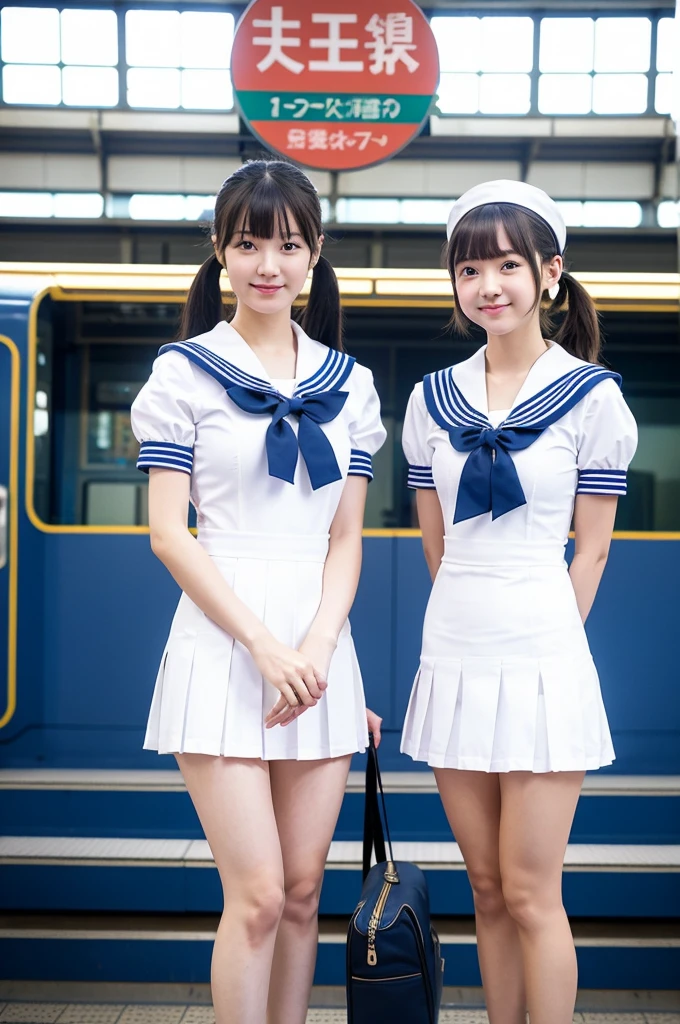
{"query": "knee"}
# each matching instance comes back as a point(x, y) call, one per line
point(302, 900)
point(487, 892)
point(529, 907)
point(261, 906)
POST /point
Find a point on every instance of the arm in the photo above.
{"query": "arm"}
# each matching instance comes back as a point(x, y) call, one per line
point(198, 576)
point(343, 565)
point(593, 524)
point(432, 526)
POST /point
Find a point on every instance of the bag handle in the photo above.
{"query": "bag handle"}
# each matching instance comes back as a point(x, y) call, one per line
point(374, 836)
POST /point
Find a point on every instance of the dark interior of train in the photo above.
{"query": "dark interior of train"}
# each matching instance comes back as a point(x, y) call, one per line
point(93, 357)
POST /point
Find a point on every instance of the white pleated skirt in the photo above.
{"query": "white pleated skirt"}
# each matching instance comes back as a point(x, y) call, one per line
point(506, 680)
point(210, 697)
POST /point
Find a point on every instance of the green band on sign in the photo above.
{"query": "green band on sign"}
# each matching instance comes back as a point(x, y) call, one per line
point(334, 108)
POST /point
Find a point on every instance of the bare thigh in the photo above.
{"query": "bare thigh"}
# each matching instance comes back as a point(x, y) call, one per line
point(536, 818)
point(472, 802)
point(233, 800)
point(307, 797)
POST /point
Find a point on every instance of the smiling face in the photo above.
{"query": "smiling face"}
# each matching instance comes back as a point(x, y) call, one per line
point(498, 294)
point(267, 233)
point(501, 259)
point(267, 274)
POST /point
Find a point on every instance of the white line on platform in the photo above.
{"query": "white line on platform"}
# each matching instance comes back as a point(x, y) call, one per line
point(343, 855)
point(598, 784)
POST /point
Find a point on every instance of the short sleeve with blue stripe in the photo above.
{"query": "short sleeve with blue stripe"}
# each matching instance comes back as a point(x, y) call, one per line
point(163, 416)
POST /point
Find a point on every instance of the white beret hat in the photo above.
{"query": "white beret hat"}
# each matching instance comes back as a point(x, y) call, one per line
point(516, 193)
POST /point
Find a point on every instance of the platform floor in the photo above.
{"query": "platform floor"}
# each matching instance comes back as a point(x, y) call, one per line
point(121, 1013)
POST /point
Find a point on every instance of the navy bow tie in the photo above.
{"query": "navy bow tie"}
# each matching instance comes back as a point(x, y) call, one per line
point(281, 443)
point(489, 481)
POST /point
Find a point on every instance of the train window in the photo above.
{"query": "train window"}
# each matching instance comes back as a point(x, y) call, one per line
point(93, 357)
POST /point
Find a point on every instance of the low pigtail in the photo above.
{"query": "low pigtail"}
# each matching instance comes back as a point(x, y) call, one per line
point(204, 307)
point(322, 316)
point(579, 332)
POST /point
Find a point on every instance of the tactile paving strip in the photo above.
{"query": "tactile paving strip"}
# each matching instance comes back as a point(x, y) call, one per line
point(463, 1017)
point(90, 1013)
point(107, 1013)
point(198, 1015)
point(32, 1013)
point(612, 1018)
point(152, 1015)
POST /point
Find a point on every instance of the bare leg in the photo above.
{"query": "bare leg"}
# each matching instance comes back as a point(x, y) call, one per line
point(233, 800)
point(536, 817)
point(307, 798)
point(472, 801)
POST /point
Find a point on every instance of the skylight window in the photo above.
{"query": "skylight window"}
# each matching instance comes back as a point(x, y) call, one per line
point(53, 57)
point(484, 64)
point(584, 65)
point(179, 59)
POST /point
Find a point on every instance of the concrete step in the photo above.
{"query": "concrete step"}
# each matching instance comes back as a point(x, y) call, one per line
point(154, 804)
point(69, 873)
point(175, 949)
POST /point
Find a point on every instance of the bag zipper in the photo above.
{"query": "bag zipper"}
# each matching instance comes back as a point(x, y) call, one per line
point(374, 922)
point(391, 877)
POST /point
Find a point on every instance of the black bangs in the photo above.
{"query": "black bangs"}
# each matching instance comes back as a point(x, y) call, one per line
point(265, 215)
point(263, 202)
point(476, 236)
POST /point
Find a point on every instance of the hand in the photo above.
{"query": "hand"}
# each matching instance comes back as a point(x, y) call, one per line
point(374, 722)
point(319, 651)
point(291, 672)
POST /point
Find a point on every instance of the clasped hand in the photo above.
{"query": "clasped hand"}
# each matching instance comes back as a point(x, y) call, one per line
point(294, 674)
point(303, 671)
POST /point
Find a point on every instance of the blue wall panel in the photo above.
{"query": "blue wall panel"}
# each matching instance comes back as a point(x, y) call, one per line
point(416, 817)
point(182, 961)
point(371, 622)
point(412, 591)
point(194, 889)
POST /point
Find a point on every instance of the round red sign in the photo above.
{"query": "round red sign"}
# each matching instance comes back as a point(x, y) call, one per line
point(335, 84)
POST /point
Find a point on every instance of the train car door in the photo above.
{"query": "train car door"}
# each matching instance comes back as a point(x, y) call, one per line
point(9, 454)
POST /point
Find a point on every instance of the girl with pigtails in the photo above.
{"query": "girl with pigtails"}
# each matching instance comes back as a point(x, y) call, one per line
point(268, 427)
point(506, 450)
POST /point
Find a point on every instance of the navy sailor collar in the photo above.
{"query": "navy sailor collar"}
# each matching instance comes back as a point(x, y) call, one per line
point(317, 399)
point(456, 396)
point(489, 482)
point(228, 358)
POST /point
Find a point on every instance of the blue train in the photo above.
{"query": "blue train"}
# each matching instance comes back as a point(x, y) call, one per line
point(84, 606)
point(104, 875)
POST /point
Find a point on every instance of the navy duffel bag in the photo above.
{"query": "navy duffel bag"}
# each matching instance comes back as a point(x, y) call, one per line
point(394, 967)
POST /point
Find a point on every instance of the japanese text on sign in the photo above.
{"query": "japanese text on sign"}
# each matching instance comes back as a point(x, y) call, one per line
point(390, 42)
point(334, 84)
point(320, 138)
point(358, 108)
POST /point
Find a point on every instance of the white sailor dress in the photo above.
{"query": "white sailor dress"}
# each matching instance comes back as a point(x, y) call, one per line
point(268, 462)
point(506, 681)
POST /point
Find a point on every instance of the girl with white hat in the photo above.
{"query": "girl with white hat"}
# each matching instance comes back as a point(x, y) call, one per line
point(506, 450)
